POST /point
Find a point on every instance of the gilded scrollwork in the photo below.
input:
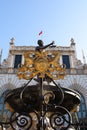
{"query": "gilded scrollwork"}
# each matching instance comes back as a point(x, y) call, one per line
point(41, 64)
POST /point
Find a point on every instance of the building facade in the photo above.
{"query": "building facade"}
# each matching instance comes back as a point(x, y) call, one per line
point(76, 74)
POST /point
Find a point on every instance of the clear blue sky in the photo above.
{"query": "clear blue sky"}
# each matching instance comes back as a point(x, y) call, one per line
point(60, 20)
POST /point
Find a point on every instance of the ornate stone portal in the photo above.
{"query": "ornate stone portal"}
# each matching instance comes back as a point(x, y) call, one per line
point(46, 105)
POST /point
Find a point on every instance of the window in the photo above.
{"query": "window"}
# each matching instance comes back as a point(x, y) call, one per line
point(66, 61)
point(17, 60)
point(82, 109)
point(4, 114)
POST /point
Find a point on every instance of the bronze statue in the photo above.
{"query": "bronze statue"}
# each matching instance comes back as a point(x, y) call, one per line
point(41, 45)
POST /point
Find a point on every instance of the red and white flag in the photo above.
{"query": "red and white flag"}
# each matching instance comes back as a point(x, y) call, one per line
point(40, 32)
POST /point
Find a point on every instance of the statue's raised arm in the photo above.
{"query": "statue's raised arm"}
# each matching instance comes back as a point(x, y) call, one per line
point(41, 46)
point(48, 45)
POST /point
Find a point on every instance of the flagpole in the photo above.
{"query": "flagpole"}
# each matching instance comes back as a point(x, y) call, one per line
point(0, 57)
point(83, 56)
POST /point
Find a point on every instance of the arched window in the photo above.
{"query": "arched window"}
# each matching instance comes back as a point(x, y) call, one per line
point(4, 114)
point(82, 108)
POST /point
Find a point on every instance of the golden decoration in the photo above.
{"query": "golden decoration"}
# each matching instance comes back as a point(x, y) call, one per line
point(41, 64)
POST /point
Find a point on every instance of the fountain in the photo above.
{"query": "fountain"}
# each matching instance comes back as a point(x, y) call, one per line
point(45, 105)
